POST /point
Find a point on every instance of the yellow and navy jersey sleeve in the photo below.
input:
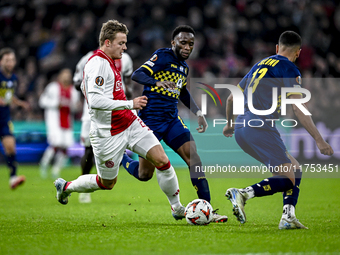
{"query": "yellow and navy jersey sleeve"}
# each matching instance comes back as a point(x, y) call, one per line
point(156, 63)
point(164, 66)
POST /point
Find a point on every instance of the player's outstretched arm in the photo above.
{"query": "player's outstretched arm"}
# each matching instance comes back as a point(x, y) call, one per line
point(142, 77)
point(98, 102)
point(228, 130)
point(308, 123)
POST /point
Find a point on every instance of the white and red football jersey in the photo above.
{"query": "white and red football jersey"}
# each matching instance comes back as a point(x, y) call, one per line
point(124, 66)
point(59, 104)
point(102, 77)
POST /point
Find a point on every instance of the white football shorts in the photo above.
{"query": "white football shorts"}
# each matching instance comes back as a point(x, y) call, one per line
point(60, 137)
point(108, 151)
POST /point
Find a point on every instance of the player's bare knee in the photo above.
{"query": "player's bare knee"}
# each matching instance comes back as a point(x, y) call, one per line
point(157, 156)
point(161, 161)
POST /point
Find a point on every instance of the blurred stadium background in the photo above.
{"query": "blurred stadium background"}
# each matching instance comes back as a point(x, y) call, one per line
point(231, 35)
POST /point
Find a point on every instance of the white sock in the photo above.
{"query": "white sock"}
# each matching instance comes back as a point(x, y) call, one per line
point(248, 192)
point(288, 211)
point(59, 163)
point(47, 157)
point(84, 184)
point(168, 182)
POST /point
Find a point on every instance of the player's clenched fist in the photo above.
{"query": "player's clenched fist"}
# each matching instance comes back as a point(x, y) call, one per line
point(228, 130)
point(139, 102)
point(325, 148)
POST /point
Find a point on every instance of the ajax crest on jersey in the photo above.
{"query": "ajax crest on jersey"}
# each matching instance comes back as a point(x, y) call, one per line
point(199, 212)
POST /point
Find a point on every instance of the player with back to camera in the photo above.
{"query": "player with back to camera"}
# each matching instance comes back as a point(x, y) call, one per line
point(8, 84)
point(114, 127)
point(164, 77)
point(264, 143)
point(125, 67)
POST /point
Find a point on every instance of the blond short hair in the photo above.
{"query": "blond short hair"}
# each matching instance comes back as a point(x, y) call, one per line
point(110, 29)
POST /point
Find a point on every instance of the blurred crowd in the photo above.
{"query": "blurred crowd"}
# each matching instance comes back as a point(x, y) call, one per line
point(231, 35)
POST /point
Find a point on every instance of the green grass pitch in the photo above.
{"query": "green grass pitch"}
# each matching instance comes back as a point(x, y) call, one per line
point(135, 218)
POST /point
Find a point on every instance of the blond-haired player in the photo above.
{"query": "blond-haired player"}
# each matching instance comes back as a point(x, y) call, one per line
point(114, 127)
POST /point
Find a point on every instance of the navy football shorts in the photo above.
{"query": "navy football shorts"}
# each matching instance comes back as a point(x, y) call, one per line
point(6, 129)
point(263, 145)
point(174, 133)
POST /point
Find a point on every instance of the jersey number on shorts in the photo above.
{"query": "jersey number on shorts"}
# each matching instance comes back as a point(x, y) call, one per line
point(262, 72)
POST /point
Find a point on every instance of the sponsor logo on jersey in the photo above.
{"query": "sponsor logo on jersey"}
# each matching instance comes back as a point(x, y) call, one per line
point(119, 85)
point(149, 63)
point(99, 81)
point(154, 58)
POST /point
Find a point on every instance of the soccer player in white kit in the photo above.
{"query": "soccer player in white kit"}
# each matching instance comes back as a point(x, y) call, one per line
point(59, 99)
point(125, 66)
point(114, 127)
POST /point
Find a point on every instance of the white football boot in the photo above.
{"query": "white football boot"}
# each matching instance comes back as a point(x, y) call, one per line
point(219, 218)
point(62, 196)
point(292, 223)
point(238, 201)
point(15, 181)
point(178, 212)
point(289, 220)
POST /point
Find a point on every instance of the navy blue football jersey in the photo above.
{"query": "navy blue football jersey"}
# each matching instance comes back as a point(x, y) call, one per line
point(162, 103)
point(272, 72)
point(7, 89)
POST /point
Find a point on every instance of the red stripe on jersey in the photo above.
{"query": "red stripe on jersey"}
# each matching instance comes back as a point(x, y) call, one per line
point(118, 64)
point(122, 119)
point(64, 109)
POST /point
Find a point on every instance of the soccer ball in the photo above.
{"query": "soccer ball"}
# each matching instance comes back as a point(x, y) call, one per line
point(199, 212)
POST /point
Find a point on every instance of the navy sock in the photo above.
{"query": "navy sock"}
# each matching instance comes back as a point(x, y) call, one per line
point(200, 183)
point(130, 165)
point(86, 162)
point(290, 197)
point(12, 164)
point(272, 185)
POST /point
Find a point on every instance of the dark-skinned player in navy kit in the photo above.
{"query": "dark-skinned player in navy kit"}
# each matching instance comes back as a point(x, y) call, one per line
point(164, 77)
